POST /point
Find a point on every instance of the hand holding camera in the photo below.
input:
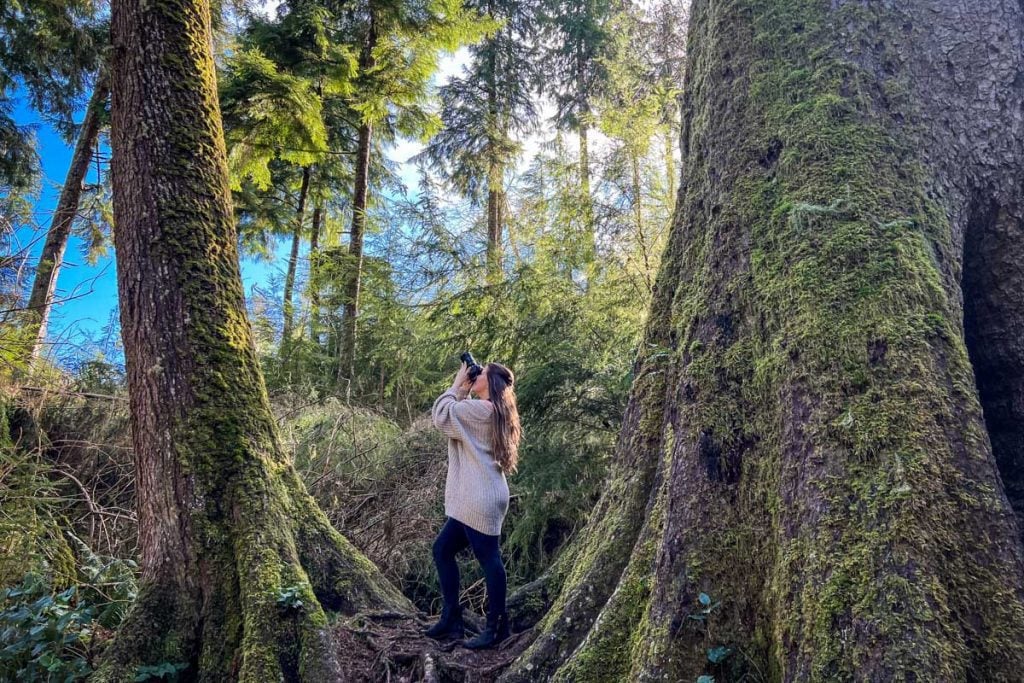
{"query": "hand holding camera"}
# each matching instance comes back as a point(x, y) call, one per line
point(468, 372)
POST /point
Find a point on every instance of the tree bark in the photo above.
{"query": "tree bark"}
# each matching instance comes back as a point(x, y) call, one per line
point(670, 163)
point(238, 564)
point(497, 132)
point(44, 286)
point(495, 223)
point(293, 262)
point(314, 270)
point(829, 403)
point(359, 206)
point(355, 255)
point(587, 208)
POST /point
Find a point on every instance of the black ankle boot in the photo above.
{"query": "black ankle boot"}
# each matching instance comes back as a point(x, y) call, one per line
point(497, 630)
point(449, 625)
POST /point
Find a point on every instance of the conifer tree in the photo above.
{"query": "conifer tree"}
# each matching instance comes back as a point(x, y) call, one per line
point(575, 40)
point(484, 111)
point(399, 43)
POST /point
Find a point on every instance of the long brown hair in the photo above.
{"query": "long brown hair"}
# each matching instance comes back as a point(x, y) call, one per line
point(507, 432)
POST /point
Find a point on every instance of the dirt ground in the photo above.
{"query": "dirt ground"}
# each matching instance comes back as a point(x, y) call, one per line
point(391, 648)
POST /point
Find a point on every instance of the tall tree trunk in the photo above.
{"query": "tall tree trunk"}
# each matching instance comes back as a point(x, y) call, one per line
point(495, 222)
point(293, 262)
point(638, 216)
point(355, 243)
point(583, 97)
point(805, 442)
point(587, 208)
point(355, 255)
point(497, 133)
point(238, 564)
point(314, 270)
point(670, 163)
point(44, 286)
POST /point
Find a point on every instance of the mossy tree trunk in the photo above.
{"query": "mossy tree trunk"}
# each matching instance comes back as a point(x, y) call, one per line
point(44, 286)
point(238, 563)
point(827, 414)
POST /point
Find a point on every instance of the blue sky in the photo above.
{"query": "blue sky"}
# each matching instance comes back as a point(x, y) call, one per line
point(87, 293)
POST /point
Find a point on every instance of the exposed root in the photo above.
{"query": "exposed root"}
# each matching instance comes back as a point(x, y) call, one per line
point(390, 646)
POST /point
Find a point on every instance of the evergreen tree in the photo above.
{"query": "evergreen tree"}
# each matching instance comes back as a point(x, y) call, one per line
point(238, 563)
point(399, 44)
point(484, 112)
point(275, 94)
point(575, 40)
point(51, 48)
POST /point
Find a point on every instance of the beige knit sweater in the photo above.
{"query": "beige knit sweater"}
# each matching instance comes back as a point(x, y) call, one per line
point(475, 492)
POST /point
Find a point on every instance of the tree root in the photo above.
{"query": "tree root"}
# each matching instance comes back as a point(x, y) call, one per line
point(385, 646)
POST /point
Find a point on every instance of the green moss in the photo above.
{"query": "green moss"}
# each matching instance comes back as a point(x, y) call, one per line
point(620, 634)
point(815, 296)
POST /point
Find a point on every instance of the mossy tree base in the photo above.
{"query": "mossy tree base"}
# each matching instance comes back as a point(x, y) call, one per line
point(253, 606)
point(239, 565)
point(806, 487)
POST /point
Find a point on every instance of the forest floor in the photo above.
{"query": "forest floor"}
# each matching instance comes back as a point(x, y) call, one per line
point(389, 647)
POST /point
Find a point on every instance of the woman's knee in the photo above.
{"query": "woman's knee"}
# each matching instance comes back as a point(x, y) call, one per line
point(491, 564)
point(440, 549)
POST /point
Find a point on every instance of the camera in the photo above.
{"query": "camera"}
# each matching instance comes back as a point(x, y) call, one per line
point(474, 368)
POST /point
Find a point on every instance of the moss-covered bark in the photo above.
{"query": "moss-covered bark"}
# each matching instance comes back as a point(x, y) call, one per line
point(832, 507)
point(238, 564)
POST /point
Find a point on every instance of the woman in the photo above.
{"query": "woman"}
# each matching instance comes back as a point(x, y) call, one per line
point(483, 442)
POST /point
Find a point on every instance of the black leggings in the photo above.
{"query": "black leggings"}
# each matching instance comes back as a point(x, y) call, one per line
point(456, 536)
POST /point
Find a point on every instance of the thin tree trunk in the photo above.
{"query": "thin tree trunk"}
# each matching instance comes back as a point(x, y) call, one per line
point(495, 171)
point(585, 197)
point(805, 477)
point(44, 286)
point(293, 262)
point(230, 541)
point(359, 206)
point(583, 96)
point(638, 216)
point(670, 164)
point(495, 202)
point(355, 254)
point(314, 275)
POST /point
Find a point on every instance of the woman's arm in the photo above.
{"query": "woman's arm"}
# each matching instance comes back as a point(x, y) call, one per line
point(445, 405)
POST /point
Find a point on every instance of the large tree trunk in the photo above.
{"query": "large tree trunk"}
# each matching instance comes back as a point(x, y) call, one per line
point(44, 286)
point(293, 262)
point(805, 442)
point(238, 563)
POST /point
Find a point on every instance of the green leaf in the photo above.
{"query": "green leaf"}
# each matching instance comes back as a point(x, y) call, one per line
point(705, 679)
point(717, 654)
